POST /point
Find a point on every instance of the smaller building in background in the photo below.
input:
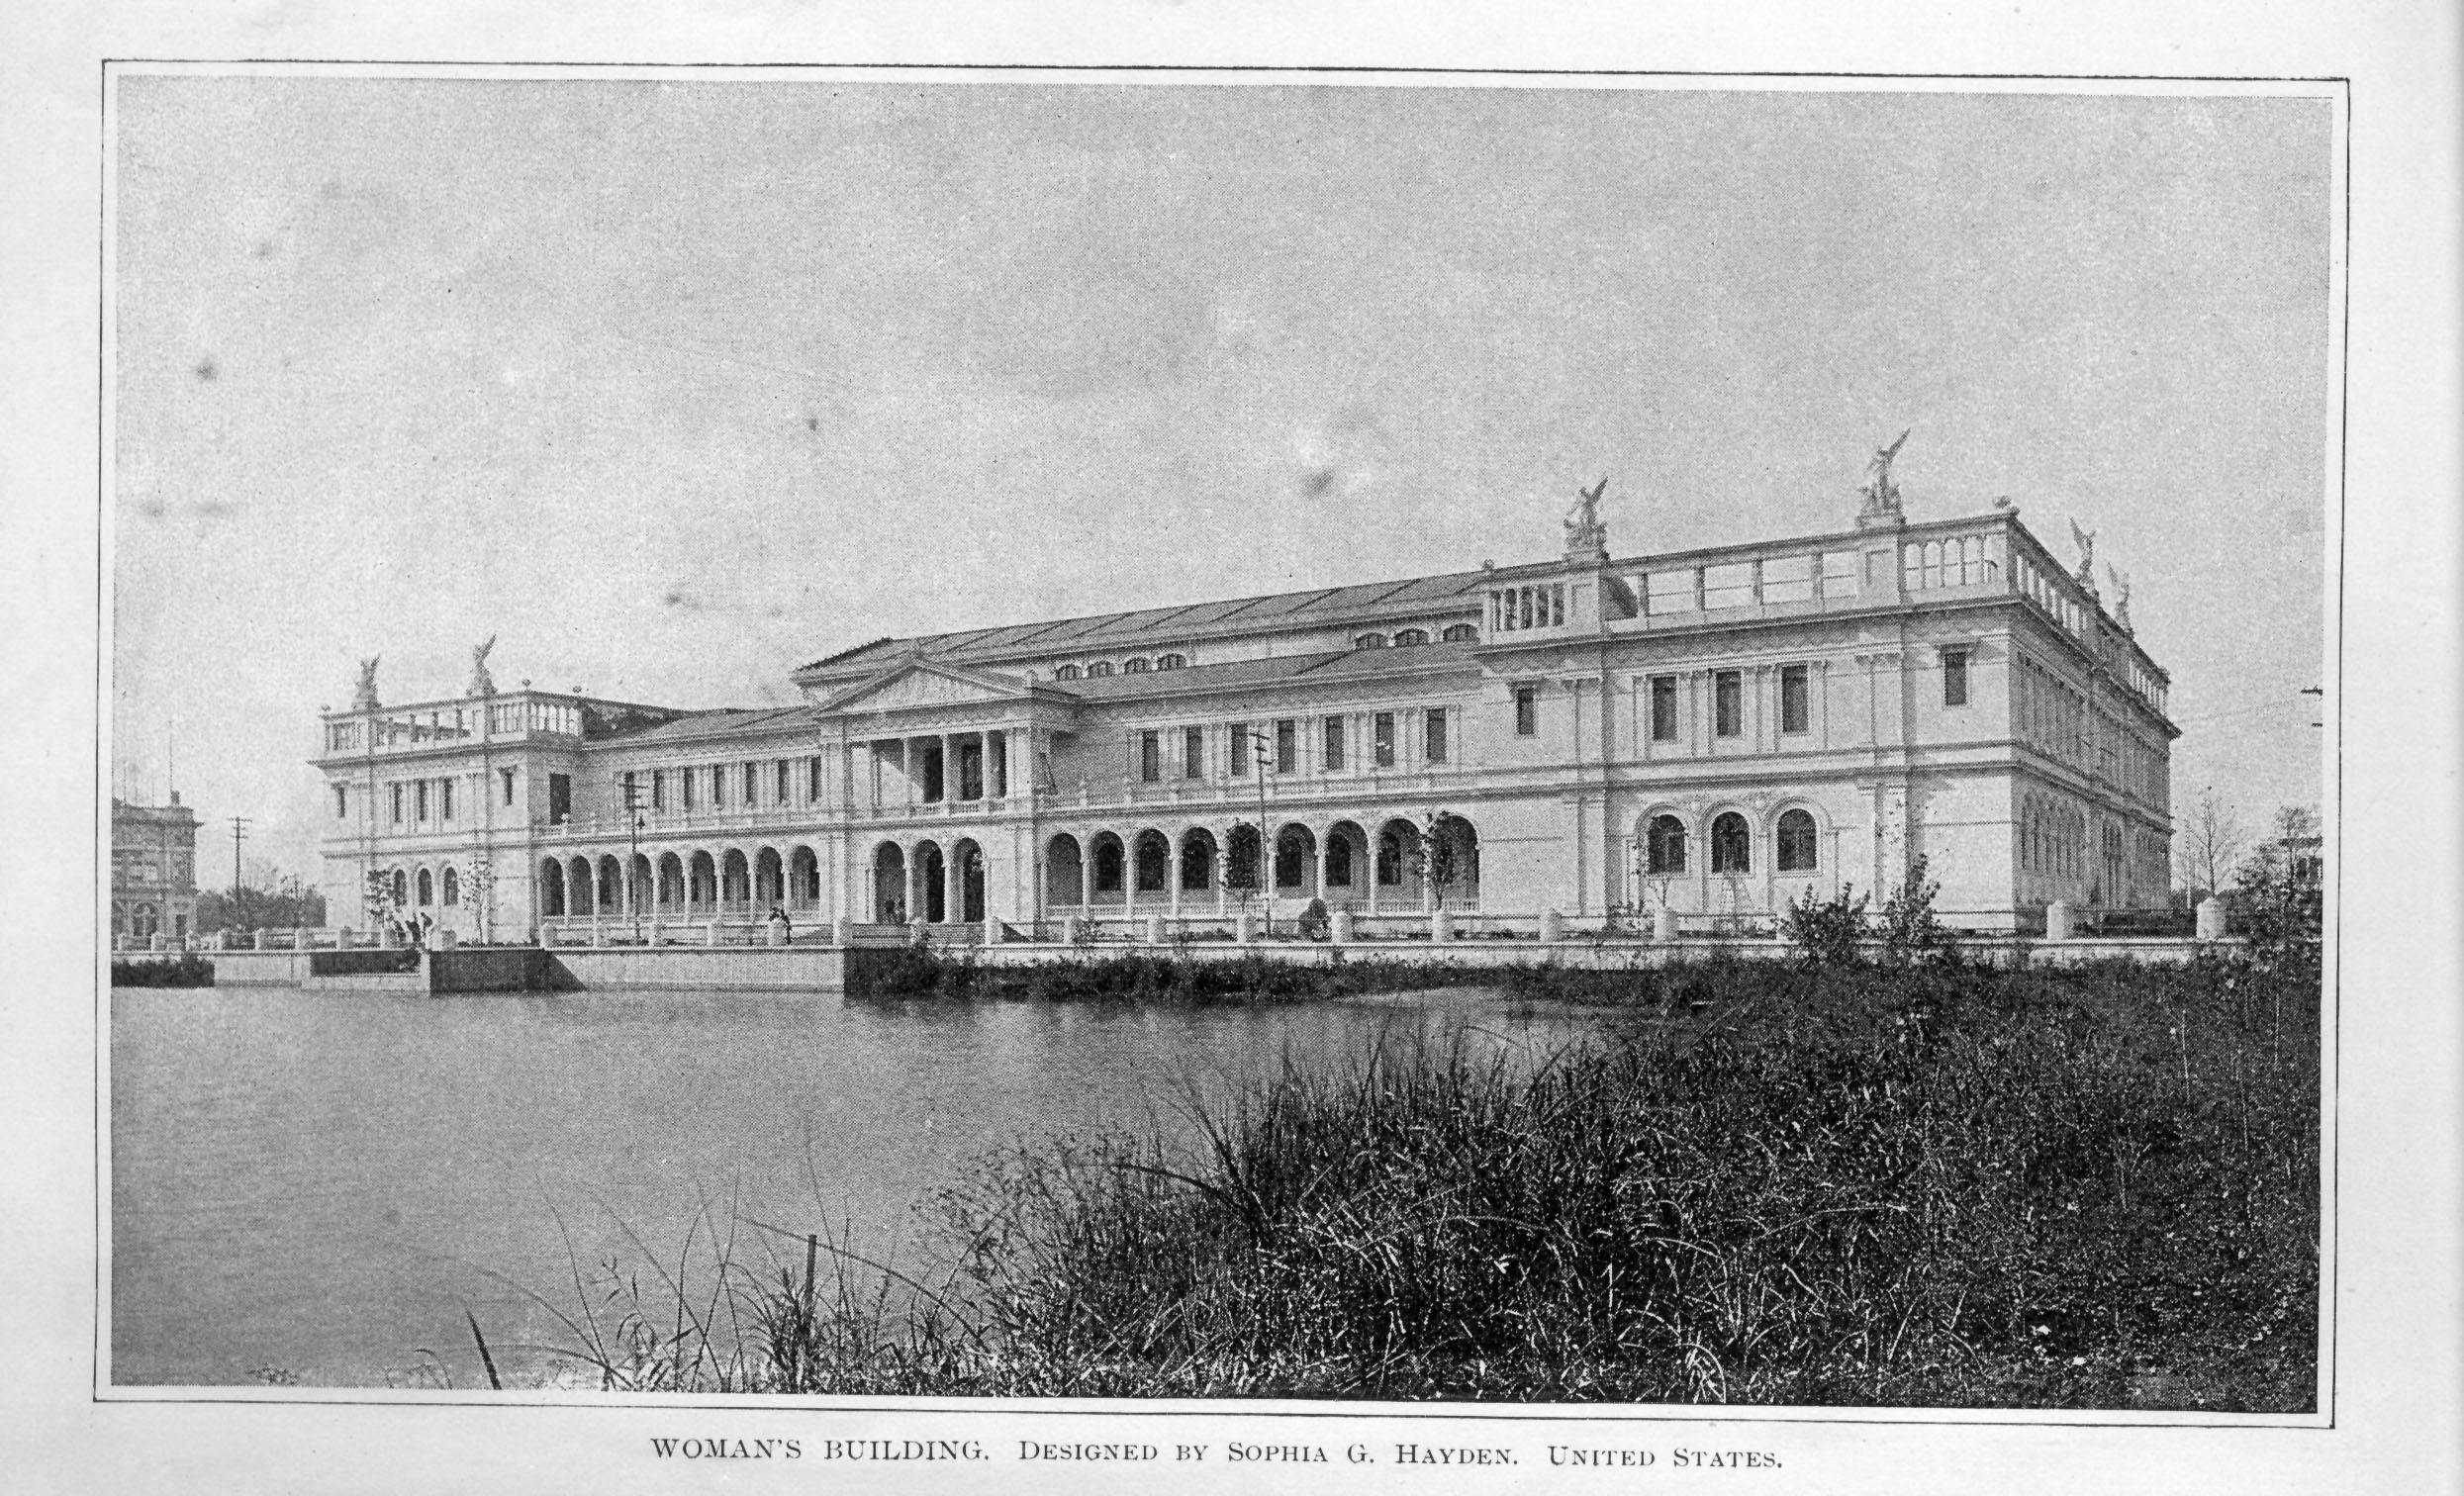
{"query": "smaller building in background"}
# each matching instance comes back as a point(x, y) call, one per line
point(153, 870)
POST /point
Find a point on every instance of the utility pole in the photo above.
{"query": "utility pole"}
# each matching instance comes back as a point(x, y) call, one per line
point(239, 833)
point(2321, 693)
point(1262, 871)
point(633, 888)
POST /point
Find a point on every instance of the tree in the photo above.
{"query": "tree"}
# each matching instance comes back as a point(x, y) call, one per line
point(2275, 899)
point(2212, 839)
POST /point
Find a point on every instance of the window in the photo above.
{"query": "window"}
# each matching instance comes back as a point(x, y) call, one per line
point(1172, 662)
point(1433, 734)
point(1663, 709)
point(658, 789)
point(1238, 748)
point(1154, 863)
point(1664, 846)
point(1731, 845)
point(1064, 673)
point(628, 792)
point(684, 779)
point(812, 779)
point(1108, 866)
point(1525, 711)
point(783, 781)
point(1286, 746)
point(1955, 678)
point(427, 888)
point(445, 799)
point(1192, 753)
point(1460, 633)
point(1795, 702)
point(1370, 642)
point(341, 801)
point(1334, 743)
point(752, 785)
point(418, 798)
point(1389, 868)
point(1150, 756)
point(1381, 739)
point(505, 784)
point(560, 798)
point(1798, 845)
point(1411, 637)
point(1099, 668)
point(401, 886)
point(1138, 666)
point(452, 887)
point(1338, 862)
point(1729, 698)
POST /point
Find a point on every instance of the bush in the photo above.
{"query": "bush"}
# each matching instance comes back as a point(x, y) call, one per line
point(189, 970)
point(1910, 935)
point(1827, 932)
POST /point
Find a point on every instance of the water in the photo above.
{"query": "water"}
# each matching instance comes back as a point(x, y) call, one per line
point(320, 1186)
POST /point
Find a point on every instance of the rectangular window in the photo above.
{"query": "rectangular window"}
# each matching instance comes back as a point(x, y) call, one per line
point(1238, 748)
point(752, 784)
point(560, 798)
point(1525, 711)
point(1286, 746)
point(418, 798)
point(1150, 756)
point(684, 779)
point(658, 789)
point(341, 801)
point(784, 779)
point(1728, 702)
point(1433, 734)
point(1955, 678)
point(628, 792)
point(1381, 739)
point(505, 780)
point(1663, 709)
point(445, 799)
point(1192, 753)
point(1334, 743)
point(1795, 701)
point(812, 779)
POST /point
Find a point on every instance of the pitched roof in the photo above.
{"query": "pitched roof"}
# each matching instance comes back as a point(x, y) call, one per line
point(724, 719)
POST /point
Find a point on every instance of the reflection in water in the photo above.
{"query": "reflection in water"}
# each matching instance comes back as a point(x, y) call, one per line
point(321, 1184)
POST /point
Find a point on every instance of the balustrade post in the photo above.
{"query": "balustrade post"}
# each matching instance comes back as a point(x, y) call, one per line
point(2211, 924)
point(2058, 920)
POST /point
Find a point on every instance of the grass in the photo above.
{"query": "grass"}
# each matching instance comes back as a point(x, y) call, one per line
point(1911, 1187)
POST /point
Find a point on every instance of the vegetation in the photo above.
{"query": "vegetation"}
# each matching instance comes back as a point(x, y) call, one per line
point(1922, 1185)
point(916, 972)
point(187, 971)
point(252, 908)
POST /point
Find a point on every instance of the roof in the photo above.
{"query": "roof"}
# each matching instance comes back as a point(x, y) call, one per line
point(1154, 626)
point(724, 720)
point(1334, 664)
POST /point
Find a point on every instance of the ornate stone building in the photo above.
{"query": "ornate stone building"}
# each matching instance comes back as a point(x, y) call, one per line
point(1715, 731)
point(153, 871)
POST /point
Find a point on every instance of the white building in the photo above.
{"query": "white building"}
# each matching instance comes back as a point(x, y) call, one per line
point(1718, 730)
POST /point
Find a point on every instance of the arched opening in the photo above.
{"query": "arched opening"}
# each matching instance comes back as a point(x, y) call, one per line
point(670, 884)
point(735, 878)
point(579, 887)
point(611, 886)
point(890, 884)
point(1731, 845)
point(769, 878)
point(427, 886)
point(1460, 633)
point(1065, 883)
point(1108, 885)
point(1197, 860)
point(1454, 859)
point(1663, 847)
point(1241, 861)
point(804, 878)
point(551, 889)
point(702, 883)
point(1153, 865)
point(970, 859)
point(145, 921)
point(931, 887)
point(638, 884)
point(1348, 863)
point(1410, 637)
point(1800, 846)
point(1295, 862)
point(1399, 862)
point(450, 885)
point(402, 889)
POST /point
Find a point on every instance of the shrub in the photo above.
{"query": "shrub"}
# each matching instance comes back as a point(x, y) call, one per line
point(1911, 934)
point(190, 970)
point(1827, 932)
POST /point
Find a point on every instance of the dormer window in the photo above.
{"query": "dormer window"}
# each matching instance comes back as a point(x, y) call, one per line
point(1370, 642)
point(1460, 633)
point(1411, 636)
point(1135, 666)
point(1172, 662)
point(1064, 673)
point(1099, 668)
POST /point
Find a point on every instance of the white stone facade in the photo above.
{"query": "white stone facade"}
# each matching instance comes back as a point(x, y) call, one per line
point(1716, 732)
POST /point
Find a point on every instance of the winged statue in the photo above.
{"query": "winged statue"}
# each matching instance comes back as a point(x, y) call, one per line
point(2085, 539)
point(481, 684)
point(1582, 522)
point(2122, 595)
point(364, 699)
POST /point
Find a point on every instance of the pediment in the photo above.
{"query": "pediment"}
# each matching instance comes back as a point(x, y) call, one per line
point(916, 685)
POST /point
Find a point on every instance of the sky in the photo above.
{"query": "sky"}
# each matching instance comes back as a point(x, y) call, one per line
point(675, 385)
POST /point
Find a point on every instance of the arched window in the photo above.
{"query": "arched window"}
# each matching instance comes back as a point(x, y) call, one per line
point(401, 886)
point(454, 886)
point(1731, 845)
point(1664, 846)
point(1799, 847)
point(1370, 642)
point(1099, 668)
point(1136, 666)
point(1153, 862)
point(1171, 661)
point(428, 888)
point(1064, 673)
point(1460, 633)
point(1409, 637)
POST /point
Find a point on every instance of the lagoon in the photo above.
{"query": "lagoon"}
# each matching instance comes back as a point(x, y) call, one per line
point(315, 1187)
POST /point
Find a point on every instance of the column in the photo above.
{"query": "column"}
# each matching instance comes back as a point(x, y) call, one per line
point(953, 873)
point(950, 782)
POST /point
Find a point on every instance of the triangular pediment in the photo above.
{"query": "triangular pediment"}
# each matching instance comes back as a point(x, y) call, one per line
point(917, 685)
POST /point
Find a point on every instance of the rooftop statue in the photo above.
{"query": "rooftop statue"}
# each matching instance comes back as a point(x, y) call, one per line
point(364, 699)
point(1881, 494)
point(2122, 595)
point(2085, 539)
point(1584, 530)
point(481, 684)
